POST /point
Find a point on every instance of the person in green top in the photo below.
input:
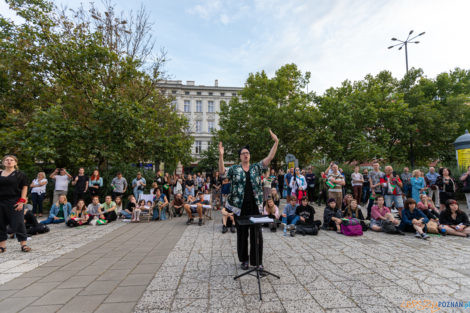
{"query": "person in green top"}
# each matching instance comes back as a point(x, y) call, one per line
point(245, 198)
point(109, 209)
point(59, 212)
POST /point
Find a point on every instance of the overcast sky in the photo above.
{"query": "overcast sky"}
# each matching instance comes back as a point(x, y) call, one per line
point(334, 40)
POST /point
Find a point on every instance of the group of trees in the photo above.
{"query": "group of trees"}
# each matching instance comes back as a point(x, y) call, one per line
point(79, 88)
point(411, 121)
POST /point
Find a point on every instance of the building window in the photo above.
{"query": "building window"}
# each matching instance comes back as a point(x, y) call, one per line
point(234, 94)
point(222, 94)
point(210, 107)
point(198, 126)
point(198, 93)
point(174, 104)
point(187, 106)
point(173, 92)
point(198, 106)
point(198, 146)
point(210, 93)
point(186, 92)
point(210, 126)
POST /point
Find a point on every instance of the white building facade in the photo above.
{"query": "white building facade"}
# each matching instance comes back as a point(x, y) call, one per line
point(201, 105)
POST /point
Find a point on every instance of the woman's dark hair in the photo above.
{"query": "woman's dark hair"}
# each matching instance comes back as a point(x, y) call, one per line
point(441, 171)
point(447, 212)
point(408, 202)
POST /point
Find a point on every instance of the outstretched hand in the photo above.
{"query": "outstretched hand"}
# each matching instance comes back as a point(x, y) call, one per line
point(273, 136)
point(221, 148)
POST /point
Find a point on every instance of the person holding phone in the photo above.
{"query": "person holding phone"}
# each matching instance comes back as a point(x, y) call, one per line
point(62, 179)
point(13, 191)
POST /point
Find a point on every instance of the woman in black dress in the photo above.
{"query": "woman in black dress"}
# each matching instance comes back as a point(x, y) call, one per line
point(13, 190)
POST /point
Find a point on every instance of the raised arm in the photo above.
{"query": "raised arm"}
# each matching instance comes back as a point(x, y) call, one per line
point(272, 153)
point(221, 159)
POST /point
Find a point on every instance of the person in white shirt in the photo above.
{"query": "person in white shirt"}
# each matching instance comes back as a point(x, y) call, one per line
point(62, 179)
point(38, 192)
point(298, 185)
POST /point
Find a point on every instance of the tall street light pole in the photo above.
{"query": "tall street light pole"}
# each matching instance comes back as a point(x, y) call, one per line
point(400, 45)
point(404, 43)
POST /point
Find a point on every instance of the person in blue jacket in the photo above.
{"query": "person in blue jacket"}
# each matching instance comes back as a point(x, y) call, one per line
point(59, 212)
point(413, 219)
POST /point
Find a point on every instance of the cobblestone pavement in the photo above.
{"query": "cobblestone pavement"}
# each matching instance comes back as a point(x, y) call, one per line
point(47, 247)
point(324, 273)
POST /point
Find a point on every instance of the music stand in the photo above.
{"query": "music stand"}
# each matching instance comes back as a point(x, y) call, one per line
point(245, 221)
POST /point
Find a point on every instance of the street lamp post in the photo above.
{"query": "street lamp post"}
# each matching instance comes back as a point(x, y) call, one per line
point(400, 45)
point(404, 43)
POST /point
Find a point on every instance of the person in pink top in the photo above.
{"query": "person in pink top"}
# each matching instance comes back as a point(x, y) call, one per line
point(381, 213)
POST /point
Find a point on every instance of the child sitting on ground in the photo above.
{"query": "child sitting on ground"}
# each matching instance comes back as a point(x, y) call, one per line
point(228, 220)
point(332, 216)
point(271, 210)
point(289, 218)
point(306, 224)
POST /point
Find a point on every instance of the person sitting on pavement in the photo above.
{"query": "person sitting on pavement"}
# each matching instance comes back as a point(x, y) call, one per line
point(195, 205)
point(109, 209)
point(271, 210)
point(130, 206)
point(119, 205)
point(380, 213)
point(353, 210)
point(413, 220)
point(228, 220)
point(332, 216)
point(79, 215)
point(306, 214)
point(94, 208)
point(288, 217)
point(275, 196)
point(33, 227)
point(59, 212)
point(429, 209)
point(160, 204)
point(454, 221)
point(177, 204)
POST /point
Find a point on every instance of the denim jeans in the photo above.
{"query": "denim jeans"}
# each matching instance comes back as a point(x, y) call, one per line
point(125, 214)
point(37, 202)
point(291, 219)
point(51, 220)
point(155, 214)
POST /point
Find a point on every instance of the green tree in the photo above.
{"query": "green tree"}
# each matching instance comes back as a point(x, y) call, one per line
point(278, 103)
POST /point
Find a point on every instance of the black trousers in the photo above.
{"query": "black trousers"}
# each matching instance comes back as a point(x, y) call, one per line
point(116, 194)
point(110, 216)
point(311, 194)
point(242, 244)
point(77, 195)
point(12, 217)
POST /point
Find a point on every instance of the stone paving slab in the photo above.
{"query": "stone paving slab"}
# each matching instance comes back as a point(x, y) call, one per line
point(107, 274)
point(325, 273)
point(48, 247)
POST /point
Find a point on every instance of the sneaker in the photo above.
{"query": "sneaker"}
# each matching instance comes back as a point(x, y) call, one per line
point(200, 222)
point(245, 266)
point(224, 229)
point(292, 233)
point(417, 235)
point(190, 221)
point(424, 236)
point(232, 229)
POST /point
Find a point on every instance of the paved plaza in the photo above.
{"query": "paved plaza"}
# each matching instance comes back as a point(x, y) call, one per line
point(170, 267)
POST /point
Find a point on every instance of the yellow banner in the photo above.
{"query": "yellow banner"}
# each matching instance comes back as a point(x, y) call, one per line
point(292, 164)
point(463, 157)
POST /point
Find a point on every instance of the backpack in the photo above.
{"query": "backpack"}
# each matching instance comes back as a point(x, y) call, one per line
point(351, 227)
point(306, 229)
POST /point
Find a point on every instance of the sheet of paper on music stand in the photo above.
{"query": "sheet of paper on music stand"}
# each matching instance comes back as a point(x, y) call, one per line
point(261, 220)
